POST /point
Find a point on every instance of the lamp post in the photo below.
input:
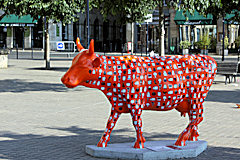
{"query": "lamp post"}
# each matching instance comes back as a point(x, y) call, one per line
point(147, 39)
point(223, 39)
point(87, 22)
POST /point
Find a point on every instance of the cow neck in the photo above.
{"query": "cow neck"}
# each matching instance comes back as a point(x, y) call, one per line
point(99, 75)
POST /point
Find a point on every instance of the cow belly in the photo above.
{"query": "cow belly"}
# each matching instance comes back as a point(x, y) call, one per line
point(160, 104)
point(164, 96)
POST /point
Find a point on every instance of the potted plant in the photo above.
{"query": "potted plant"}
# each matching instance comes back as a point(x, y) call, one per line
point(4, 57)
point(203, 44)
point(184, 45)
point(226, 44)
point(237, 42)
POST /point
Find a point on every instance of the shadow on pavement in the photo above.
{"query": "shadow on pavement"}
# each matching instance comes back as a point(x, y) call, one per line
point(18, 85)
point(224, 96)
point(37, 147)
point(62, 69)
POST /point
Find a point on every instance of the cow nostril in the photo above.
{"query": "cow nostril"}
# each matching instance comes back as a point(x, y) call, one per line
point(68, 79)
point(65, 79)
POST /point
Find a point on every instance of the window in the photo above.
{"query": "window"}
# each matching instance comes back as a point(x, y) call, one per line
point(85, 29)
point(187, 36)
point(198, 34)
point(65, 32)
point(105, 30)
point(138, 33)
point(114, 30)
point(57, 31)
point(180, 33)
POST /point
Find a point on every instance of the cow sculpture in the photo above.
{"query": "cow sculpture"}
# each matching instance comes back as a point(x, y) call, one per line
point(133, 84)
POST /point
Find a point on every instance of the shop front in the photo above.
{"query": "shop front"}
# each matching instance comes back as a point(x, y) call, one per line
point(193, 27)
point(21, 32)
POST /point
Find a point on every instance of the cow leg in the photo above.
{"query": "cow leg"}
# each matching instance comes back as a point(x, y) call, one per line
point(136, 112)
point(110, 125)
point(191, 132)
point(195, 116)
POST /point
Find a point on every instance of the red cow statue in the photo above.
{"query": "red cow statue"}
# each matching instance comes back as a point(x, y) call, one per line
point(133, 84)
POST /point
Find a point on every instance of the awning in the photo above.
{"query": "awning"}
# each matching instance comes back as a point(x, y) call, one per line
point(228, 18)
point(13, 20)
point(195, 19)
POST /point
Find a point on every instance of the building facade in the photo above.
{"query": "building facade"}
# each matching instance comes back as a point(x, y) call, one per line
point(177, 28)
point(110, 36)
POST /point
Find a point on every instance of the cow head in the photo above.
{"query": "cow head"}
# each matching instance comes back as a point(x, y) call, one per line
point(82, 65)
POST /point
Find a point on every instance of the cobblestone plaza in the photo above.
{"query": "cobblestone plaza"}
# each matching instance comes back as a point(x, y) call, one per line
point(42, 119)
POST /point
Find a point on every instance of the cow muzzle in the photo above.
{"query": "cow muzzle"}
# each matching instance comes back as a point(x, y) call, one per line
point(68, 82)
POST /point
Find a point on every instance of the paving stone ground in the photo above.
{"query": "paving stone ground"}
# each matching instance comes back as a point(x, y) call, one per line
point(41, 119)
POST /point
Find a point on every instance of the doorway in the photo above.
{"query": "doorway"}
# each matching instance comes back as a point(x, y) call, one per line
point(18, 37)
point(37, 35)
point(75, 30)
point(3, 36)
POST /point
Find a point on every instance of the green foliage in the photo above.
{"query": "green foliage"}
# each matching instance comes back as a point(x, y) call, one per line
point(64, 10)
point(237, 42)
point(197, 44)
point(204, 42)
point(27, 32)
point(67, 10)
point(226, 43)
point(217, 8)
point(125, 10)
point(185, 44)
point(9, 32)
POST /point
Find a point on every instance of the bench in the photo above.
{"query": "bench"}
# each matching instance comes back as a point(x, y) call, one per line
point(230, 69)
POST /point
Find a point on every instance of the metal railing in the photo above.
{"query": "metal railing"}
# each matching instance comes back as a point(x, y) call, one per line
point(69, 48)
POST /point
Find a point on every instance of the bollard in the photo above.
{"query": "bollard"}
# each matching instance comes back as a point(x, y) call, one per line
point(238, 54)
point(32, 52)
point(104, 49)
point(17, 50)
point(122, 48)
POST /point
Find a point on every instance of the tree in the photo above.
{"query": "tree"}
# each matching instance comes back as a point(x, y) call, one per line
point(64, 11)
point(133, 11)
point(218, 8)
point(126, 10)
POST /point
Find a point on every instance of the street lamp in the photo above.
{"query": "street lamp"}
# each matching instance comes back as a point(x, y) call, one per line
point(223, 39)
point(87, 22)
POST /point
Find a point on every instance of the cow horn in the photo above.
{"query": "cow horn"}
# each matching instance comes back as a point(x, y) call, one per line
point(91, 47)
point(79, 46)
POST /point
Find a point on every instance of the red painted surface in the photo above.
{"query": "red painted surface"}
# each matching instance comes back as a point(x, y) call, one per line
point(133, 84)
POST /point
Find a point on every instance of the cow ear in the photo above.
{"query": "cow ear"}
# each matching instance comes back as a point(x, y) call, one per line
point(91, 47)
point(96, 62)
point(79, 46)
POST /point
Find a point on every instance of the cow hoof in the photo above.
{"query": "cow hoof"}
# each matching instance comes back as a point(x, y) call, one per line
point(180, 143)
point(143, 139)
point(138, 145)
point(102, 144)
point(194, 138)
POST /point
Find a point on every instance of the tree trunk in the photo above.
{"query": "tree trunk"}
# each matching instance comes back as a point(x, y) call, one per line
point(161, 30)
point(47, 48)
point(132, 39)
